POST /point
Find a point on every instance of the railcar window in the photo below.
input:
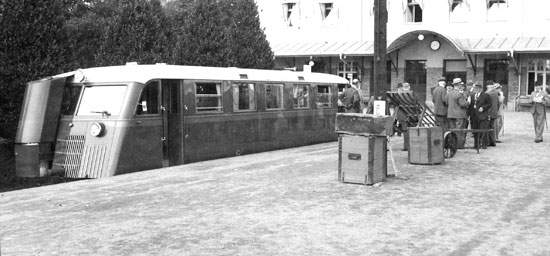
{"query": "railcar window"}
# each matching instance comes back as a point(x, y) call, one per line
point(301, 96)
point(149, 101)
point(244, 97)
point(71, 94)
point(274, 96)
point(324, 96)
point(101, 100)
point(208, 97)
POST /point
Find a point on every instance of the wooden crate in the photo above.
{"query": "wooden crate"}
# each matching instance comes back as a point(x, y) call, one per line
point(364, 124)
point(362, 159)
point(426, 145)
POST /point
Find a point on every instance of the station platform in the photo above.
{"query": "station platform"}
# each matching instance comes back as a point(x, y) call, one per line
point(290, 202)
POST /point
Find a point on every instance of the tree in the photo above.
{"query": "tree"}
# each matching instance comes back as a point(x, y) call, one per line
point(31, 47)
point(135, 33)
point(247, 46)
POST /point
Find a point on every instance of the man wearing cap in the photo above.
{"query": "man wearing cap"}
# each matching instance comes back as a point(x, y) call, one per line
point(457, 110)
point(493, 111)
point(479, 113)
point(439, 98)
point(352, 99)
point(539, 99)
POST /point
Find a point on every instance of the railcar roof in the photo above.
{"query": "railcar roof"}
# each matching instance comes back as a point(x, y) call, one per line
point(145, 73)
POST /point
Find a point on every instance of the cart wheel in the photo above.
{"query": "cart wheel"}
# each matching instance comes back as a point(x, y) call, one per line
point(451, 144)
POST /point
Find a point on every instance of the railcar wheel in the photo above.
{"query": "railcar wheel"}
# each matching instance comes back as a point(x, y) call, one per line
point(451, 144)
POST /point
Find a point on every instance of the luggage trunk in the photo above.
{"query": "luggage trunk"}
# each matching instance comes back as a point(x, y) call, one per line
point(362, 159)
point(426, 145)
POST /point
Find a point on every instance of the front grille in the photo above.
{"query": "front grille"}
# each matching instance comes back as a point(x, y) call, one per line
point(68, 154)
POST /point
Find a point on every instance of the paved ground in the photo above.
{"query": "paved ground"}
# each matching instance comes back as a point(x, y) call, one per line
point(289, 202)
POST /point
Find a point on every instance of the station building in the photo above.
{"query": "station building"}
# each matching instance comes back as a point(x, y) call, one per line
point(506, 41)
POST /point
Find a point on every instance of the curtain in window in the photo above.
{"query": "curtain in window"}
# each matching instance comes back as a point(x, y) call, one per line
point(405, 4)
point(491, 2)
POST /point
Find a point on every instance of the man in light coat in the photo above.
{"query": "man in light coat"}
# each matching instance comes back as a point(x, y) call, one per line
point(539, 99)
point(457, 110)
point(493, 111)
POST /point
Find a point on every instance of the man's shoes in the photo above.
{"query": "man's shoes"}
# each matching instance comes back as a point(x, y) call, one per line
point(537, 141)
point(498, 141)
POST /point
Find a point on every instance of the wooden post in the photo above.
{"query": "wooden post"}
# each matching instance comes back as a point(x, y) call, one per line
point(379, 86)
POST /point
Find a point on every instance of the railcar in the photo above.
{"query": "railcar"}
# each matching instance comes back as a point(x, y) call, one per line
point(105, 121)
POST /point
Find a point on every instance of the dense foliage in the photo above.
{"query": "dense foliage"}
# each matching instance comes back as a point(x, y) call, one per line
point(48, 37)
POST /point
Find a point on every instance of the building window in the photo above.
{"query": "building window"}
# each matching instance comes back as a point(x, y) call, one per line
point(244, 97)
point(274, 96)
point(539, 71)
point(329, 14)
point(459, 10)
point(413, 13)
point(497, 10)
point(208, 97)
point(324, 96)
point(290, 13)
point(300, 95)
point(454, 69)
point(348, 70)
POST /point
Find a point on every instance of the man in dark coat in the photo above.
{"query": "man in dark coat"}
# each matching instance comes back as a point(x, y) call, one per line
point(352, 99)
point(480, 103)
point(457, 111)
point(493, 111)
point(439, 98)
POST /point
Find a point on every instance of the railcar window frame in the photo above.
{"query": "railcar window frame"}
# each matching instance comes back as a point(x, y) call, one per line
point(71, 99)
point(89, 109)
point(328, 95)
point(299, 99)
point(239, 101)
point(200, 96)
point(279, 97)
point(154, 107)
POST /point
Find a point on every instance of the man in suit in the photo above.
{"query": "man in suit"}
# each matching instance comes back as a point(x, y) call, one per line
point(457, 111)
point(539, 99)
point(439, 98)
point(480, 103)
point(493, 111)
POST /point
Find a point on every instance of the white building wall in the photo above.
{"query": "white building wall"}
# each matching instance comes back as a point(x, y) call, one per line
point(355, 20)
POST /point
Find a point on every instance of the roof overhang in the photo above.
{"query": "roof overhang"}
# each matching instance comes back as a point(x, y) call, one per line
point(323, 49)
point(413, 36)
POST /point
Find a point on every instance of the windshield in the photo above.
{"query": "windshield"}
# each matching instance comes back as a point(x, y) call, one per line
point(101, 100)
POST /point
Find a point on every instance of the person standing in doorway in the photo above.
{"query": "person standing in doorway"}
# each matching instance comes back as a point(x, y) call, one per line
point(439, 98)
point(502, 107)
point(539, 99)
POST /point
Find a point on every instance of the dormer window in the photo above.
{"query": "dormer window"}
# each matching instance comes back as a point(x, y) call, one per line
point(491, 3)
point(413, 12)
point(290, 13)
point(326, 9)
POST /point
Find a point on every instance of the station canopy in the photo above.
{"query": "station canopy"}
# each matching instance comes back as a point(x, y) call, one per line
point(487, 45)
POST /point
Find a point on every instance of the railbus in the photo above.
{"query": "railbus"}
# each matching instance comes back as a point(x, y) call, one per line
point(105, 121)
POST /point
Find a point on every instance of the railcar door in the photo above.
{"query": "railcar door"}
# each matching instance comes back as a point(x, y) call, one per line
point(172, 143)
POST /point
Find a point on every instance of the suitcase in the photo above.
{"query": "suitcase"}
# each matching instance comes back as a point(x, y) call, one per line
point(362, 159)
point(364, 124)
point(426, 145)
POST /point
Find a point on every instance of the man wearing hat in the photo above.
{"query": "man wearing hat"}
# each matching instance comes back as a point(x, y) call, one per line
point(478, 110)
point(539, 99)
point(493, 111)
point(457, 110)
point(439, 98)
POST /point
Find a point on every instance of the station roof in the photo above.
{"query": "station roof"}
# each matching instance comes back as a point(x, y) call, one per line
point(366, 48)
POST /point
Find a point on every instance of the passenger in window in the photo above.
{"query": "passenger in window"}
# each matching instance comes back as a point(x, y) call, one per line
point(303, 98)
point(270, 99)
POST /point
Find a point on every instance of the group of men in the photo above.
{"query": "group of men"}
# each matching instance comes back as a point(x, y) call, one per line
point(457, 105)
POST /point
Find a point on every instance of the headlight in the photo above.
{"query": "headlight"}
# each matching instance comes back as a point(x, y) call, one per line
point(97, 129)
